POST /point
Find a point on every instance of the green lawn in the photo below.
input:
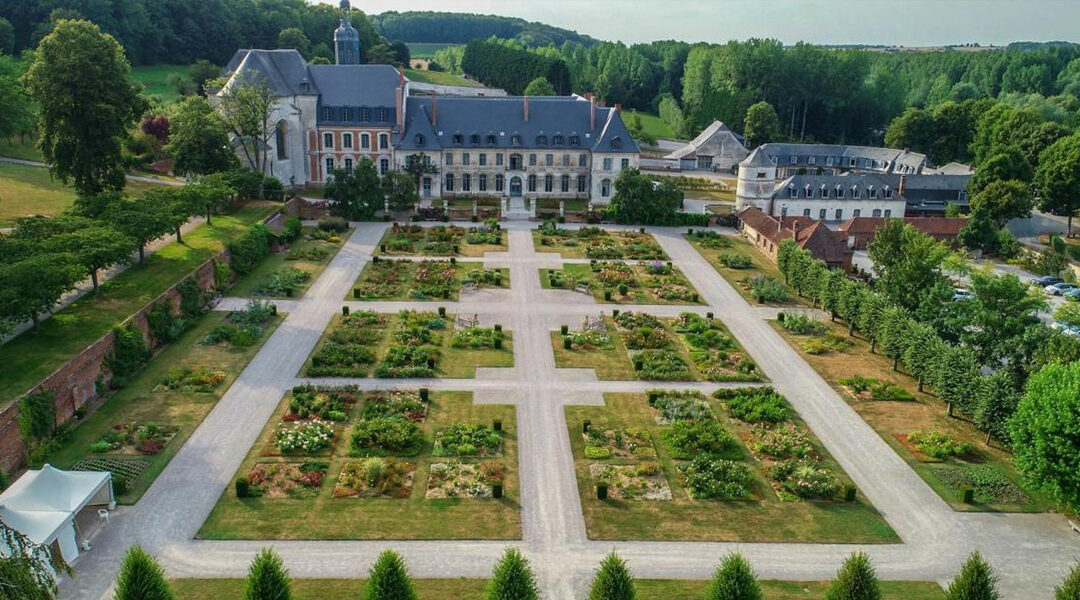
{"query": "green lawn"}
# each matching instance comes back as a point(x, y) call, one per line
point(296, 257)
point(26, 191)
point(380, 518)
point(26, 149)
point(426, 49)
point(439, 78)
point(32, 356)
point(154, 80)
point(139, 401)
point(677, 589)
point(653, 125)
point(763, 517)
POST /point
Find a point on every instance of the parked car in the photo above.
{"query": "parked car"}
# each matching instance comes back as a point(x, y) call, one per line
point(962, 294)
point(1046, 280)
point(1059, 288)
point(1073, 294)
point(1065, 328)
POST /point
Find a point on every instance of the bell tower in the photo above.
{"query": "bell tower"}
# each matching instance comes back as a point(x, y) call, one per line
point(346, 38)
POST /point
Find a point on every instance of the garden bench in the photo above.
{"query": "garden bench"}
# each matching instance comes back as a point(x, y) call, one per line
point(467, 321)
point(582, 288)
point(594, 324)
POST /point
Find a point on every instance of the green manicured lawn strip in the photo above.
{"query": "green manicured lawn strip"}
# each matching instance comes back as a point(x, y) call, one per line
point(653, 125)
point(34, 355)
point(328, 589)
point(610, 365)
point(683, 589)
point(427, 49)
point(415, 517)
point(926, 413)
point(764, 518)
point(439, 78)
point(462, 362)
point(138, 401)
point(247, 286)
point(26, 191)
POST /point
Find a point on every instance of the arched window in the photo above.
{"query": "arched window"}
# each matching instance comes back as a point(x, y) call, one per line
point(809, 191)
point(605, 188)
point(348, 165)
point(384, 141)
point(384, 165)
point(329, 167)
point(824, 192)
point(281, 140)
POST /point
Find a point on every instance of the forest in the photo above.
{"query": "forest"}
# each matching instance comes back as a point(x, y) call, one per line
point(462, 28)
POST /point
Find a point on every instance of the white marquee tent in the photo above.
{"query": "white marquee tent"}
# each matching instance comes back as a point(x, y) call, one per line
point(43, 505)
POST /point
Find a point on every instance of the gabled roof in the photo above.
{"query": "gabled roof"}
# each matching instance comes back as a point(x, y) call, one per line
point(840, 153)
point(715, 134)
point(355, 85)
point(808, 233)
point(284, 71)
point(822, 242)
point(933, 226)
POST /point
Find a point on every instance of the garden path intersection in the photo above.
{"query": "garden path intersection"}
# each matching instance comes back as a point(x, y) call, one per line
point(1031, 552)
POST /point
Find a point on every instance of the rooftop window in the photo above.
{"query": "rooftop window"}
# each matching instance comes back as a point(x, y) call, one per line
point(541, 140)
point(419, 139)
point(459, 139)
point(474, 138)
point(491, 139)
point(575, 140)
point(559, 140)
point(616, 142)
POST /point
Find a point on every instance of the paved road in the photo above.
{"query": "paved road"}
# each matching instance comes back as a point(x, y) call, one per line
point(1032, 552)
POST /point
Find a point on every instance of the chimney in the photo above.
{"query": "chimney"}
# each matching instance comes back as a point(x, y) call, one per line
point(900, 191)
point(592, 111)
point(434, 109)
point(795, 229)
point(401, 75)
point(526, 109)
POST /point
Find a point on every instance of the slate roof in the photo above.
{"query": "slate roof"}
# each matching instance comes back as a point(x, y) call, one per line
point(355, 85)
point(504, 118)
point(917, 188)
point(284, 71)
point(717, 129)
point(840, 155)
point(757, 158)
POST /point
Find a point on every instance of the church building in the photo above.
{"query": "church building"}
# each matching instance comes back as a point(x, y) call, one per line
point(329, 117)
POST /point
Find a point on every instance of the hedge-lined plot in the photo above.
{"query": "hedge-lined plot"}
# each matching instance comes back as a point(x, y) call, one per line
point(636, 345)
point(654, 282)
point(384, 279)
point(366, 459)
point(682, 466)
point(409, 344)
point(289, 273)
point(594, 242)
point(443, 240)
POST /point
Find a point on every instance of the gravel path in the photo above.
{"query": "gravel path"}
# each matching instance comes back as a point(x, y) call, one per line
point(1031, 552)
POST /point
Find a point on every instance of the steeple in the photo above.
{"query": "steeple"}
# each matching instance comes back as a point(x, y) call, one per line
point(346, 38)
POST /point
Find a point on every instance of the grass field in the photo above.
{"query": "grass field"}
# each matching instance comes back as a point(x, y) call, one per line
point(381, 518)
point(426, 49)
point(763, 517)
point(32, 356)
point(26, 191)
point(473, 589)
point(154, 80)
point(439, 78)
point(139, 401)
point(894, 420)
point(653, 125)
point(26, 148)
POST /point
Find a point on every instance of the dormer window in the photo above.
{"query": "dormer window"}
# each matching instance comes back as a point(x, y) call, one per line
point(616, 142)
point(541, 140)
point(365, 114)
point(852, 162)
point(515, 140)
point(793, 192)
point(491, 139)
point(871, 191)
point(828, 161)
point(888, 193)
point(559, 140)
point(811, 160)
point(855, 192)
point(794, 160)
point(327, 114)
point(382, 115)
point(474, 139)
point(575, 140)
point(419, 139)
point(839, 191)
point(809, 191)
point(459, 139)
point(824, 192)
point(346, 114)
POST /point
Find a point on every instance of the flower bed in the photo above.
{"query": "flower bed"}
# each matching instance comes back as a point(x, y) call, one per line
point(639, 246)
point(755, 405)
point(407, 404)
point(590, 339)
point(614, 274)
point(464, 480)
point(804, 479)
point(382, 279)
point(781, 442)
point(434, 279)
point(630, 443)
point(286, 480)
point(709, 478)
point(644, 481)
point(714, 351)
point(670, 406)
point(327, 403)
point(349, 350)
point(467, 439)
point(415, 352)
point(303, 437)
point(646, 338)
point(632, 320)
point(386, 435)
point(477, 337)
point(191, 379)
point(242, 327)
point(661, 365)
point(938, 446)
point(988, 484)
point(688, 439)
point(285, 281)
point(375, 478)
point(134, 438)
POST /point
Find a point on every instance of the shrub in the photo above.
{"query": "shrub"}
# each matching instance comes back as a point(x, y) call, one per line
point(333, 224)
point(267, 578)
point(877, 389)
point(782, 442)
point(802, 324)
point(37, 416)
point(613, 580)
point(243, 488)
point(464, 439)
point(389, 579)
point(642, 338)
point(284, 281)
point(386, 435)
point(129, 355)
point(716, 478)
point(755, 405)
point(199, 379)
point(766, 289)
point(512, 579)
point(830, 343)
point(736, 261)
point(938, 445)
point(687, 439)
point(141, 578)
point(681, 405)
point(251, 247)
point(475, 337)
point(291, 230)
point(805, 479)
point(976, 581)
point(734, 580)
point(305, 437)
point(193, 298)
point(855, 580)
point(662, 365)
point(709, 239)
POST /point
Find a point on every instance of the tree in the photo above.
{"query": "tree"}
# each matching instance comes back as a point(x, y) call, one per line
point(1046, 447)
point(639, 199)
point(1007, 165)
point(141, 578)
point(976, 581)
point(734, 580)
point(1070, 588)
point(202, 71)
point(141, 220)
point(914, 129)
point(613, 580)
point(34, 285)
point(16, 109)
point(389, 579)
point(7, 37)
point(539, 87)
point(637, 130)
point(671, 114)
point(996, 401)
point(1058, 177)
point(418, 165)
point(1003, 201)
point(245, 107)
point(956, 376)
point(922, 348)
point(207, 196)
point(95, 248)
point(199, 140)
point(906, 261)
point(512, 579)
point(399, 190)
point(295, 38)
point(1068, 313)
point(25, 571)
point(356, 194)
point(762, 125)
point(1003, 309)
point(87, 102)
point(267, 578)
point(855, 580)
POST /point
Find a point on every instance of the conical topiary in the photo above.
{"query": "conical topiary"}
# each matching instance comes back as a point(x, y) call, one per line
point(141, 578)
point(389, 579)
point(855, 580)
point(512, 579)
point(613, 580)
point(267, 578)
point(975, 581)
point(1070, 588)
point(734, 580)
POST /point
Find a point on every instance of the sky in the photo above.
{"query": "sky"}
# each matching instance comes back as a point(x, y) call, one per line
point(889, 22)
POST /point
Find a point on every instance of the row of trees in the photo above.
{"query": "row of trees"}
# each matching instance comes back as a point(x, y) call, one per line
point(461, 28)
point(359, 193)
point(141, 578)
point(508, 65)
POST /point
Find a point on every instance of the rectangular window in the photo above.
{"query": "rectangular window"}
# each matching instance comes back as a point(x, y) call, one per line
point(328, 140)
point(346, 140)
point(346, 114)
point(582, 184)
point(824, 192)
point(888, 193)
point(327, 114)
point(466, 183)
point(806, 212)
point(466, 159)
point(828, 161)
point(625, 163)
point(483, 181)
point(566, 160)
point(549, 160)
point(855, 193)
point(499, 182)
point(348, 165)
point(498, 159)
point(549, 183)
point(384, 141)
point(532, 160)
point(794, 159)
point(449, 159)
point(365, 114)
point(483, 158)
point(329, 167)
point(821, 214)
point(365, 141)
point(812, 160)
point(384, 166)
point(449, 182)
point(532, 183)
point(888, 213)
point(839, 192)
point(583, 160)
point(857, 212)
point(607, 164)
point(565, 187)
point(839, 214)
